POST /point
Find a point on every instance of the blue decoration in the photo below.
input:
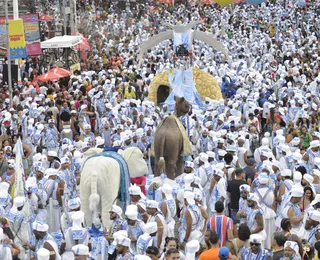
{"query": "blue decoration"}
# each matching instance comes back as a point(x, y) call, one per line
point(124, 174)
point(254, 2)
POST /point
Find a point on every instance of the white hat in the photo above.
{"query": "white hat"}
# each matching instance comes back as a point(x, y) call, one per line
point(52, 153)
point(81, 249)
point(120, 233)
point(244, 187)
point(151, 227)
point(314, 143)
point(99, 141)
point(132, 212)
point(192, 248)
point(167, 190)
point(317, 161)
point(189, 164)
point(211, 154)
point(40, 226)
point(83, 107)
point(297, 156)
point(297, 176)
point(152, 204)
point(19, 201)
point(286, 172)
point(316, 200)
point(315, 215)
point(51, 172)
point(293, 245)
point(265, 141)
point(308, 178)
point(189, 196)
point(124, 241)
point(117, 143)
point(116, 209)
point(64, 160)
point(74, 203)
point(263, 178)
point(135, 190)
point(43, 254)
point(254, 197)
point(255, 238)
point(297, 191)
point(222, 152)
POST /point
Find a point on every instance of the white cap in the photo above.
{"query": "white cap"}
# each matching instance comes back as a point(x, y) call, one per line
point(297, 191)
point(40, 226)
point(308, 178)
point(51, 172)
point(81, 249)
point(244, 187)
point(124, 241)
point(286, 172)
point(314, 143)
point(132, 212)
point(189, 164)
point(52, 153)
point(116, 209)
point(19, 201)
point(43, 254)
point(293, 245)
point(152, 204)
point(135, 190)
point(192, 248)
point(255, 238)
point(64, 160)
point(151, 227)
point(74, 203)
point(254, 197)
point(315, 215)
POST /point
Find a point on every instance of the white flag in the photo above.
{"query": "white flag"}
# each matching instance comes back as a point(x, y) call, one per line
point(18, 188)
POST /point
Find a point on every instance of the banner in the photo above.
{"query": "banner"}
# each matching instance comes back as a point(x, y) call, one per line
point(17, 42)
point(31, 33)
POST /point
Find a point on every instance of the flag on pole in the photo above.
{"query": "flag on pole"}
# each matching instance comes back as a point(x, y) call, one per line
point(18, 187)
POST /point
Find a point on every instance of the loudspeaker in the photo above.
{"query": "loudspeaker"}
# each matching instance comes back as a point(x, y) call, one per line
point(14, 73)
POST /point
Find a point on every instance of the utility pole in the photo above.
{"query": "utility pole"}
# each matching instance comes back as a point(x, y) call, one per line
point(64, 17)
point(8, 52)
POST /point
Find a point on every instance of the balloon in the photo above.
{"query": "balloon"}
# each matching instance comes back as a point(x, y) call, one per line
point(223, 2)
point(254, 2)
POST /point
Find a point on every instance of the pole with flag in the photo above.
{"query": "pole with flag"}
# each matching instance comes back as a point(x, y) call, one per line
point(18, 187)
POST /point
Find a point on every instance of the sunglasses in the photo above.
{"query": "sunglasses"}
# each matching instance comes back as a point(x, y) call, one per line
point(254, 244)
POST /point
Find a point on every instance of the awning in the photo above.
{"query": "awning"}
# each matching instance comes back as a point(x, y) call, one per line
point(66, 41)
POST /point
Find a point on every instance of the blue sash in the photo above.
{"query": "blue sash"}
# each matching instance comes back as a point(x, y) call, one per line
point(124, 173)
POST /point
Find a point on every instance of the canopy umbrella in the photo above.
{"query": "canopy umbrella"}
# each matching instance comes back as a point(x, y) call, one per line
point(50, 76)
point(84, 45)
point(207, 2)
point(165, 1)
point(45, 17)
point(61, 71)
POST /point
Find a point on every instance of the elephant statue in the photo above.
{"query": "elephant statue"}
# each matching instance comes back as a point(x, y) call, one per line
point(101, 177)
point(171, 142)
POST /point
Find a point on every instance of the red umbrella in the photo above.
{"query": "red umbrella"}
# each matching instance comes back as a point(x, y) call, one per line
point(61, 72)
point(207, 2)
point(45, 17)
point(84, 45)
point(165, 1)
point(49, 76)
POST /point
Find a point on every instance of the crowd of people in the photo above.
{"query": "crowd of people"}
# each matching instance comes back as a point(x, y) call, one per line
point(251, 187)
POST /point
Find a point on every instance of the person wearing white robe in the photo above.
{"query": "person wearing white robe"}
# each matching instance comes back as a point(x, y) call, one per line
point(266, 200)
